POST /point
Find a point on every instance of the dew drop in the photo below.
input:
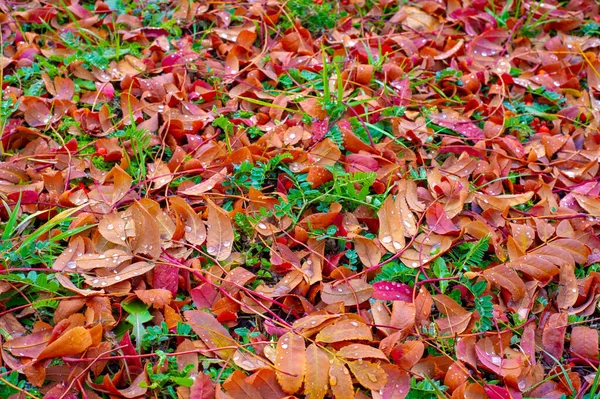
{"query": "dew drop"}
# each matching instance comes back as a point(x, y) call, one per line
point(386, 239)
point(284, 346)
point(332, 381)
point(95, 281)
point(397, 245)
point(71, 264)
point(211, 250)
point(110, 227)
point(226, 244)
point(117, 278)
point(188, 228)
point(262, 226)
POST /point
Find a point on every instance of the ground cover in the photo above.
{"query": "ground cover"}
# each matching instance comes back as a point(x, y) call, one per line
point(263, 199)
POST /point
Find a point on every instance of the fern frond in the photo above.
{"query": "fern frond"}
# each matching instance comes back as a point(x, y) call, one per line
point(470, 254)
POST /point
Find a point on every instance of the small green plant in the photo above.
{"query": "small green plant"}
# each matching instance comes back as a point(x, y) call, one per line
point(138, 315)
point(314, 16)
point(470, 254)
point(164, 384)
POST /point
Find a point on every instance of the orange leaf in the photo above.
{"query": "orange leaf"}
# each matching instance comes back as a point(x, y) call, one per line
point(369, 374)
point(340, 380)
point(220, 232)
point(584, 342)
point(291, 362)
point(504, 201)
point(398, 383)
point(112, 228)
point(361, 351)
point(318, 175)
point(391, 233)
point(345, 330)
point(156, 297)
point(212, 333)
point(408, 354)
point(166, 225)
point(317, 370)
point(72, 342)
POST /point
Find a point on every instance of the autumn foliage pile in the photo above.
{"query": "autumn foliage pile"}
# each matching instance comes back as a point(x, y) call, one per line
point(263, 199)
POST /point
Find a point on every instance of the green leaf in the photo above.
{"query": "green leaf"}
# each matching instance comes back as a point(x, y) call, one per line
point(138, 315)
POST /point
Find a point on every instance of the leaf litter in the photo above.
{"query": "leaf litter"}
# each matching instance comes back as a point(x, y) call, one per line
point(313, 198)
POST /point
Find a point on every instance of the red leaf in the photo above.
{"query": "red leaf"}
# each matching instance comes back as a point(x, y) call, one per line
point(392, 291)
point(438, 221)
point(202, 388)
point(166, 277)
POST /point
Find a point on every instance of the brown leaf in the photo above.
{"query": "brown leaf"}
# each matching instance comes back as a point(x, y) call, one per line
point(505, 277)
point(457, 318)
point(355, 291)
point(195, 231)
point(291, 362)
point(112, 228)
point(206, 185)
point(165, 223)
point(159, 174)
point(72, 342)
point(220, 232)
point(367, 251)
point(147, 234)
point(568, 291)
point(108, 278)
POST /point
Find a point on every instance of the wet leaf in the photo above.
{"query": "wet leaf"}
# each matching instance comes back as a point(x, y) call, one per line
point(345, 330)
point(291, 362)
point(220, 232)
point(72, 342)
point(317, 372)
point(355, 291)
